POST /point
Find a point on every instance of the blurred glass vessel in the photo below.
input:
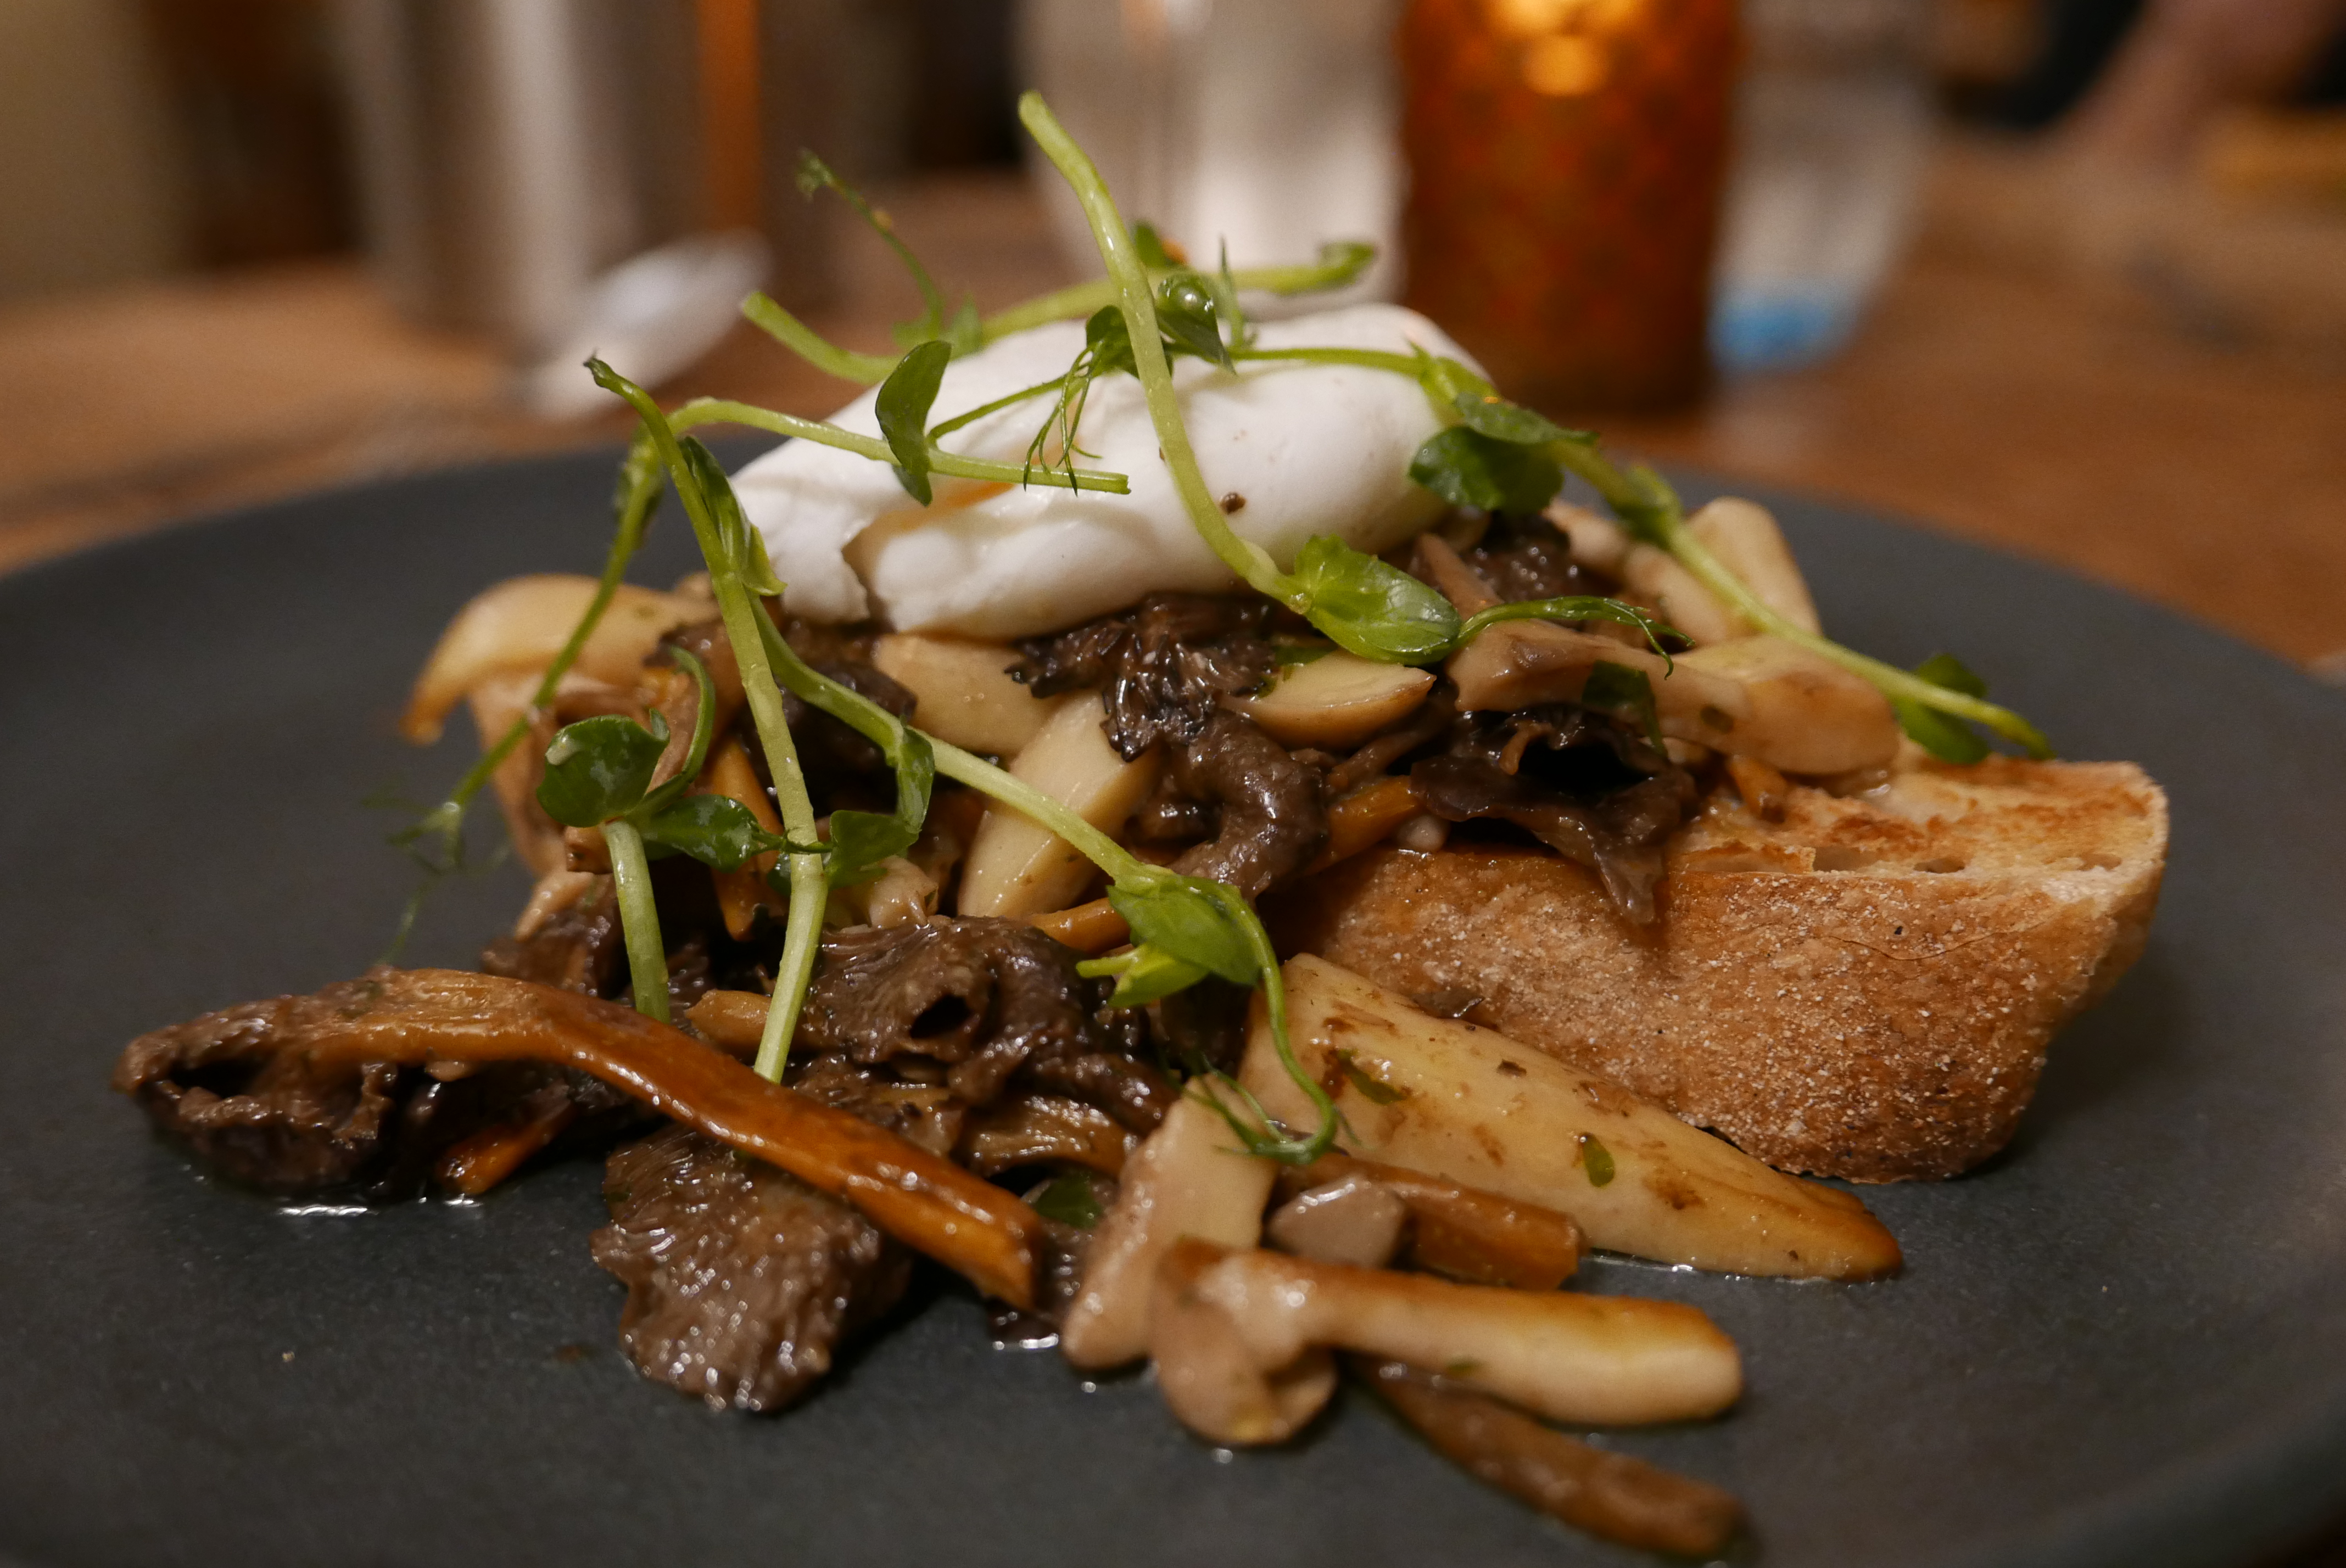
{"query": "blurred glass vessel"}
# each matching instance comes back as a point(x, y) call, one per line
point(1832, 128)
point(1266, 124)
point(1564, 159)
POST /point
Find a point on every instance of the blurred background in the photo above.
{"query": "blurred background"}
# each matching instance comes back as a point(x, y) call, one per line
point(2065, 275)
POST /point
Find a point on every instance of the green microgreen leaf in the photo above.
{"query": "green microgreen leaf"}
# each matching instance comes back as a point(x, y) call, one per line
point(704, 723)
point(1595, 1159)
point(1187, 314)
point(1943, 735)
point(1488, 413)
point(906, 399)
point(1371, 608)
point(1070, 1199)
point(1575, 607)
point(1225, 285)
point(1107, 343)
point(1151, 246)
point(1371, 1087)
point(1625, 693)
point(814, 175)
point(1188, 919)
point(1142, 975)
point(740, 549)
point(715, 829)
point(1945, 669)
point(599, 767)
point(860, 841)
point(1287, 654)
point(1468, 468)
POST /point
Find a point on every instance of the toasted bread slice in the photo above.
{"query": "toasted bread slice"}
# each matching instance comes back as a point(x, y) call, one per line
point(1863, 988)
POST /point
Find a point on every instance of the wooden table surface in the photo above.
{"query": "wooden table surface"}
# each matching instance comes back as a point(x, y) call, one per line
point(2062, 421)
point(2058, 420)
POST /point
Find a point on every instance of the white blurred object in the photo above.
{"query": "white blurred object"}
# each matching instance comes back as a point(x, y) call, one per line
point(1832, 130)
point(1267, 125)
point(649, 317)
point(503, 160)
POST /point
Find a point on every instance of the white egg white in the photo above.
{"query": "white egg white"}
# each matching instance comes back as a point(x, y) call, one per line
point(1295, 450)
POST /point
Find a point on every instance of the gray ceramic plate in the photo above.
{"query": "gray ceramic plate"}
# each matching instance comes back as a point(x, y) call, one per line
point(2123, 1343)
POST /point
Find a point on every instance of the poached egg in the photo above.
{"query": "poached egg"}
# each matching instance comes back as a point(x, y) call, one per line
point(1293, 450)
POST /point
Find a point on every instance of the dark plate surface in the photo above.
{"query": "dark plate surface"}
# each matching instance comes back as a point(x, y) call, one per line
point(2124, 1342)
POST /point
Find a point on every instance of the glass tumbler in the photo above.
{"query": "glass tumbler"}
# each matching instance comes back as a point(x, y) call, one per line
point(1832, 129)
point(1564, 159)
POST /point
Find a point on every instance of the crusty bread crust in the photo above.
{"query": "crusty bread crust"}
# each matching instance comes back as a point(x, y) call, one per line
point(1863, 989)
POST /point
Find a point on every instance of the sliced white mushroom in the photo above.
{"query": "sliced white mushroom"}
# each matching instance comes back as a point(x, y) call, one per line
point(1462, 1101)
point(964, 692)
point(1565, 1355)
point(1018, 867)
point(522, 623)
point(1352, 1219)
point(1210, 1371)
point(1336, 701)
point(1189, 1178)
point(1800, 712)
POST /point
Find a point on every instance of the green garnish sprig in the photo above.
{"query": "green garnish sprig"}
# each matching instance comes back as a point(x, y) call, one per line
point(1502, 457)
point(599, 774)
point(435, 840)
point(963, 329)
point(1935, 703)
point(1184, 928)
point(739, 574)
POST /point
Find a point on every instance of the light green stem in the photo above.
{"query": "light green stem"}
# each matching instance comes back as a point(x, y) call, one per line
point(1368, 359)
point(723, 411)
point(1080, 300)
point(983, 777)
point(1248, 560)
point(809, 885)
point(631, 878)
point(946, 427)
point(1644, 501)
point(803, 341)
point(639, 488)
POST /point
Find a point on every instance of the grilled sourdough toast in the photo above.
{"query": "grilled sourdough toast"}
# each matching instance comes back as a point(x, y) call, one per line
point(1860, 987)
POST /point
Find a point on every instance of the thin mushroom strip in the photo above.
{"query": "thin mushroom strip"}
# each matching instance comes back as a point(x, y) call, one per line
point(1609, 1495)
point(417, 1017)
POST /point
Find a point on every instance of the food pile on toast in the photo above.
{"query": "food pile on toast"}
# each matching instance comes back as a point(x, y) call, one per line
point(1182, 820)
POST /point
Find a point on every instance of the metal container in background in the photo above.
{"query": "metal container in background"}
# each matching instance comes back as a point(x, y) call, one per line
point(543, 172)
